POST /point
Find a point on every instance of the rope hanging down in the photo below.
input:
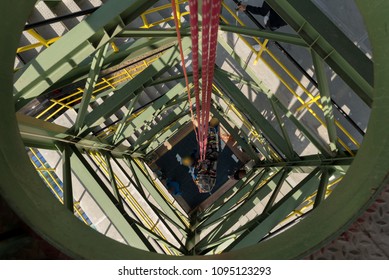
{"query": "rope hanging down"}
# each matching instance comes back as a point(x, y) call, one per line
point(210, 25)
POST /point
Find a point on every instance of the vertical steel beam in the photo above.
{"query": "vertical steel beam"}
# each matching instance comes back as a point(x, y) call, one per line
point(315, 141)
point(108, 203)
point(325, 98)
point(276, 191)
point(165, 206)
point(330, 43)
point(67, 178)
point(256, 229)
point(112, 179)
point(122, 124)
point(259, 121)
point(91, 81)
point(321, 191)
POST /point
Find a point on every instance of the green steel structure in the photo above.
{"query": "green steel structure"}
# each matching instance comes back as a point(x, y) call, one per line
point(286, 206)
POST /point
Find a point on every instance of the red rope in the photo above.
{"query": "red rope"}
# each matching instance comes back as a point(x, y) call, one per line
point(210, 23)
point(174, 7)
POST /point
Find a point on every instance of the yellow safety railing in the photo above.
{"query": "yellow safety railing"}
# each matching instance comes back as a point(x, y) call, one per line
point(64, 103)
point(313, 99)
point(309, 201)
point(133, 202)
point(163, 193)
point(41, 42)
point(77, 208)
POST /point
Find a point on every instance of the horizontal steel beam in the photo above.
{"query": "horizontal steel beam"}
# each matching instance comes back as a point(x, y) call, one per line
point(271, 35)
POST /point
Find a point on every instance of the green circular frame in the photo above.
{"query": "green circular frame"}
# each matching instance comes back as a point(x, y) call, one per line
point(22, 188)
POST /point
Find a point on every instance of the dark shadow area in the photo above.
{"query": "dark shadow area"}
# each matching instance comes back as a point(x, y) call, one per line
point(172, 169)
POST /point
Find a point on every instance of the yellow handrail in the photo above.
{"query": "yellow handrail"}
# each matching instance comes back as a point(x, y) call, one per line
point(125, 193)
point(284, 68)
point(78, 209)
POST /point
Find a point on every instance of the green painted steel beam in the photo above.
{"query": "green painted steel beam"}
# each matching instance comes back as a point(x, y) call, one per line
point(263, 187)
point(277, 190)
point(136, 183)
point(281, 125)
point(141, 33)
point(67, 178)
point(129, 52)
point(313, 161)
point(114, 139)
point(271, 35)
point(232, 202)
point(235, 134)
point(325, 98)
point(256, 229)
point(175, 115)
point(127, 91)
point(95, 31)
point(112, 180)
point(321, 191)
point(256, 142)
point(148, 115)
point(91, 81)
point(266, 187)
point(245, 105)
point(108, 203)
point(165, 136)
point(276, 103)
point(229, 193)
point(156, 195)
point(324, 149)
point(40, 134)
point(330, 43)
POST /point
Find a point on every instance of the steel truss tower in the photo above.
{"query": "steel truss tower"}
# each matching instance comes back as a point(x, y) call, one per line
point(288, 204)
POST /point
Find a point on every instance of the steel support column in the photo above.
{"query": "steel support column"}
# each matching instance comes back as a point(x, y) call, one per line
point(330, 43)
point(256, 229)
point(325, 98)
point(67, 178)
point(91, 81)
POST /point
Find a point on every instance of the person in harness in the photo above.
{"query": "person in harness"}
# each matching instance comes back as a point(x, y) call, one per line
point(204, 172)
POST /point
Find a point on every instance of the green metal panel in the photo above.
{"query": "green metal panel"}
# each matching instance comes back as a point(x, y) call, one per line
point(255, 32)
point(80, 42)
point(330, 43)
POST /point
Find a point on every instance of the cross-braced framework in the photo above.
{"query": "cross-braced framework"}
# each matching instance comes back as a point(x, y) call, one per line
point(100, 99)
